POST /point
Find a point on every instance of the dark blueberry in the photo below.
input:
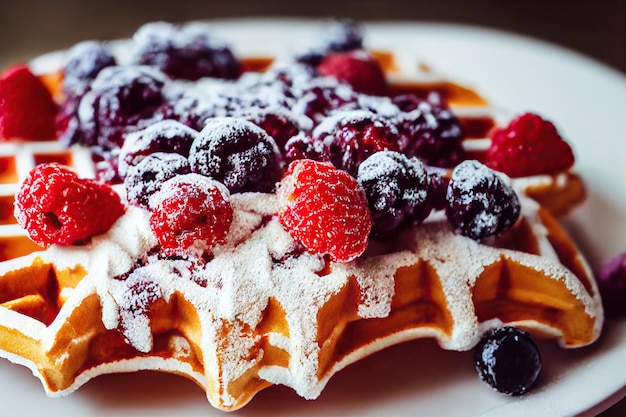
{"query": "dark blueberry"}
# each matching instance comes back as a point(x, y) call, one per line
point(437, 187)
point(85, 61)
point(146, 178)
point(430, 131)
point(237, 153)
point(396, 188)
point(352, 136)
point(508, 360)
point(303, 146)
point(612, 285)
point(322, 97)
point(339, 36)
point(119, 99)
point(167, 136)
point(480, 202)
point(186, 52)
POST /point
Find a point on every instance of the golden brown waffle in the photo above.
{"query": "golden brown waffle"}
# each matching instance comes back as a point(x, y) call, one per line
point(299, 320)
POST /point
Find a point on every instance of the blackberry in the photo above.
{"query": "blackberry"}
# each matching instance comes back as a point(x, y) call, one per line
point(396, 188)
point(302, 146)
point(85, 61)
point(508, 360)
point(430, 131)
point(324, 96)
point(185, 52)
point(146, 178)
point(350, 137)
point(167, 136)
point(119, 98)
point(339, 36)
point(480, 202)
point(238, 154)
point(276, 122)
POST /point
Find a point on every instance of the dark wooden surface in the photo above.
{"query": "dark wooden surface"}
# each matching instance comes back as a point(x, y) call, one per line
point(596, 28)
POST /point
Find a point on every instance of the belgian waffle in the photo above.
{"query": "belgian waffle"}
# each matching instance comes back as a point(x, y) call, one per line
point(255, 316)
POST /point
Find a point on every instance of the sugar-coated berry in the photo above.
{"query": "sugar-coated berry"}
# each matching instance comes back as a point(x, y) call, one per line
point(396, 188)
point(238, 154)
point(324, 209)
point(529, 145)
point(167, 136)
point(612, 285)
point(190, 213)
point(185, 52)
point(119, 98)
point(55, 206)
point(430, 131)
point(351, 137)
point(147, 177)
point(480, 202)
point(84, 63)
point(508, 360)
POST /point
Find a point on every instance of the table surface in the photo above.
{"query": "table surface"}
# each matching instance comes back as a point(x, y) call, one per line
point(596, 29)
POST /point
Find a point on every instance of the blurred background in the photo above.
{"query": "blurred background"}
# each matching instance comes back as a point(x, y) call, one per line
point(596, 28)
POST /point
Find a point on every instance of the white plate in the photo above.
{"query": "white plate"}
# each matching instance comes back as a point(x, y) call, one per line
point(588, 103)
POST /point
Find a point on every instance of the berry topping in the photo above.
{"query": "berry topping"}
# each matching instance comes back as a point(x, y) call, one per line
point(185, 52)
point(146, 178)
point(352, 136)
point(237, 153)
point(339, 36)
point(167, 136)
point(529, 145)
point(27, 110)
point(56, 207)
point(358, 69)
point(612, 285)
point(324, 209)
point(279, 124)
point(430, 131)
point(508, 360)
point(396, 189)
point(191, 212)
point(303, 146)
point(480, 202)
point(85, 61)
point(119, 98)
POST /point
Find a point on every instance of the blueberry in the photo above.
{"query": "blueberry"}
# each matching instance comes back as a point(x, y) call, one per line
point(396, 188)
point(85, 61)
point(480, 202)
point(146, 178)
point(185, 52)
point(237, 153)
point(508, 360)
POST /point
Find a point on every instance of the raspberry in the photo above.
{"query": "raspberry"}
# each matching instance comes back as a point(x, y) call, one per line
point(529, 145)
point(430, 131)
point(147, 176)
point(480, 202)
point(27, 110)
point(190, 212)
point(164, 136)
point(612, 285)
point(56, 207)
point(185, 52)
point(324, 209)
point(350, 137)
point(358, 69)
point(508, 360)
point(237, 153)
point(396, 189)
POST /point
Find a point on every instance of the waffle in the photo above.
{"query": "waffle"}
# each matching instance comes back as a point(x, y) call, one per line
point(256, 315)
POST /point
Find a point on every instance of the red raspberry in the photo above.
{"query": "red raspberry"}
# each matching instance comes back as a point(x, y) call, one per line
point(324, 209)
point(27, 110)
point(529, 145)
point(190, 211)
point(358, 69)
point(56, 207)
